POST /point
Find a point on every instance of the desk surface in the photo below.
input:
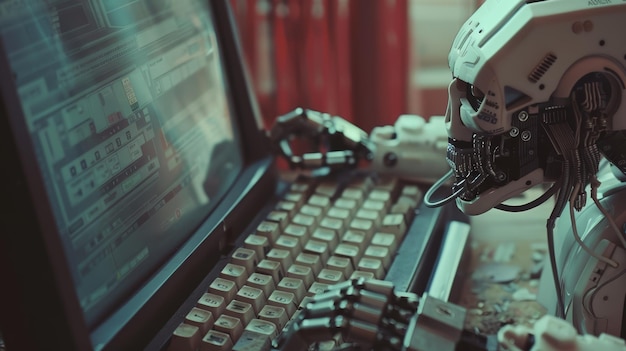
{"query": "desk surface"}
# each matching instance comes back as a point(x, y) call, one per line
point(499, 287)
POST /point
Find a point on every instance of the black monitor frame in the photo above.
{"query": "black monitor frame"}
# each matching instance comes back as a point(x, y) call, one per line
point(39, 308)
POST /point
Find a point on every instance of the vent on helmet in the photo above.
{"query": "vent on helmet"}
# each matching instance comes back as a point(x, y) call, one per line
point(542, 68)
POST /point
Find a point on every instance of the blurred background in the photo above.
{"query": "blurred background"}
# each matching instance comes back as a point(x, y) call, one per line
point(368, 61)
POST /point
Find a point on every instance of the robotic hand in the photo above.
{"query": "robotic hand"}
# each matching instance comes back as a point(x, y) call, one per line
point(370, 315)
point(412, 148)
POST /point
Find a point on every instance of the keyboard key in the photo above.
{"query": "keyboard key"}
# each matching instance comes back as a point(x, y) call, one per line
point(185, 338)
point(313, 211)
point(388, 183)
point(287, 206)
point(326, 235)
point(263, 327)
point(339, 213)
point(202, 319)
point(332, 223)
point(364, 225)
point(310, 260)
point(342, 264)
point(394, 224)
point(330, 276)
point(281, 256)
point(271, 268)
point(327, 189)
point(373, 265)
point(223, 287)
point(379, 252)
point(386, 240)
point(347, 204)
point(348, 250)
point(361, 274)
point(283, 299)
point(261, 281)
point(355, 194)
point(303, 273)
point(212, 303)
point(289, 243)
point(357, 238)
point(321, 201)
point(246, 257)
point(318, 248)
point(259, 244)
point(304, 220)
point(274, 314)
point(294, 286)
point(280, 217)
point(270, 230)
point(413, 192)
point(254, 296)
point(215, 340)
point(373, 216)
point(380, 195)
point(374, 205)
point(229, 325)
point(235, 273)
point(300, 232)
point(241, 310)
point(317, 288)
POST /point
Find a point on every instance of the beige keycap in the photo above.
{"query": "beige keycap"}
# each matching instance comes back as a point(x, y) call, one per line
point(346, 204)
point(254, 296)
point(287, 206)
point(289, 243)
point(260, 326)
point(247, 257)
point(339, 213)
point(270, 230)
point(374, 216)
point(379, 252)
point(348, 250)
point(388, 183)
point(380, 195)
point(300, 187)
point(374, 205)
point(241, 310)
point(235, 273)
point(223, 287)
point(215, 340)
point(202, 319)
point(355, 237)
point(300, 232)
point(342, 264)
point(281, 256)
point(229, 325)
point(317, 288)
point(283, 299)
point(301, 272)
point(386, 240)
point(280, 217)
point(265, 282)
point(364, 225)
point(259, 244)
point(309, 260)
point(185, 338)
point(332, 223)
point(312, 211)
point(303, 220)
point(294, 286)
point(212, 303)
point(373, 265)
point(394, 224)
point(319, 248)
point(413, 192)
point(327, 189)
point(321, 201)
point(355, 194)
point(274, 314)
point(271, 268)
point(326, 235)
point(361, 274)
point(295, 197)
point(330, 276)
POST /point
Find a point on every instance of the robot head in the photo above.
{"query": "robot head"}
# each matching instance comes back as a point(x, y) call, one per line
point(536, 85)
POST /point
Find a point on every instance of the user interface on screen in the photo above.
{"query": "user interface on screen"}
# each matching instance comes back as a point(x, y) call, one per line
point(127, 108)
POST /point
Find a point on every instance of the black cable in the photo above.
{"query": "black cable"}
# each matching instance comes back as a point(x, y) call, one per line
point(536, 202)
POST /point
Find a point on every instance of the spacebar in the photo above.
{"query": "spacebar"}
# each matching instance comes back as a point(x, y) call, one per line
point(412, 266)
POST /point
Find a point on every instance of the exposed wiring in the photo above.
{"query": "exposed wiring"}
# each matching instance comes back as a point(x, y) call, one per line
point(595, 183)
point(577, 236)
point(437, 186)
point(528, 206)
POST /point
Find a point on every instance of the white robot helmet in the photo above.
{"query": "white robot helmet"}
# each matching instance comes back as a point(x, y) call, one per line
point(521, 70)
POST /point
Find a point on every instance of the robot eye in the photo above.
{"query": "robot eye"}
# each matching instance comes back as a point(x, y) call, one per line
point(475, 96)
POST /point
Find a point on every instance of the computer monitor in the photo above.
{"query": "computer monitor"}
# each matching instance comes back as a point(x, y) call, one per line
point(123, 166)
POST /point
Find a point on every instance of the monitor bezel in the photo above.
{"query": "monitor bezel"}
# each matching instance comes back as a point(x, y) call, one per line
point(39, 305)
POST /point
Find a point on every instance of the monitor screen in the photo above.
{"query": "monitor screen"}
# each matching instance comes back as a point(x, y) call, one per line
point(127, 108)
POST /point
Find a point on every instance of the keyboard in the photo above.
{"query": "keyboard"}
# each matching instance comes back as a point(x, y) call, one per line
point(319, 233)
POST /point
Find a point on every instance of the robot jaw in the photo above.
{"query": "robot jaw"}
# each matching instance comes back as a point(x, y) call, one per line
point(492, 166)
